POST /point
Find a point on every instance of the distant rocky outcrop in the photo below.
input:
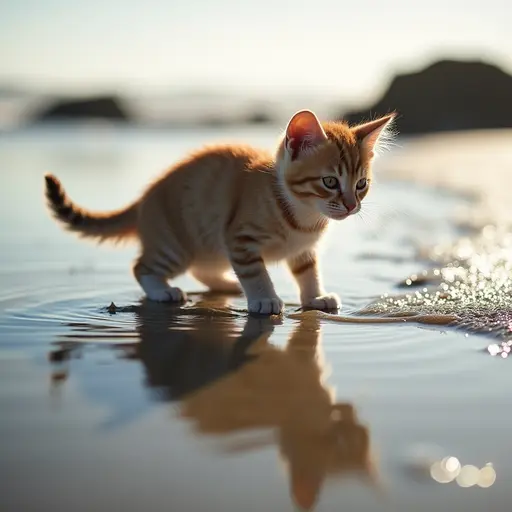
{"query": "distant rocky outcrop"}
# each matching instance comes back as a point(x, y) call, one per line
point(107, 107)
point(448, 95)
point(259, 117)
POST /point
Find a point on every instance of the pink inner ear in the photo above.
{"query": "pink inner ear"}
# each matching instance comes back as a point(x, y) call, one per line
point(304, 131)
point(295, 144)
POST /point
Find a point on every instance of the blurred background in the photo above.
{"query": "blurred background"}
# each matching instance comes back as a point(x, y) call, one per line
point(442, 65)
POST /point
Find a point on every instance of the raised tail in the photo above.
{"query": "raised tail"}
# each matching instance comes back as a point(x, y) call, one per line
point(113, 226)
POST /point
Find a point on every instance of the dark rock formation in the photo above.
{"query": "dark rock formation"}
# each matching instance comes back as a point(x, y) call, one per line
point(448, 95)
point(90, 108)
point(259, 117)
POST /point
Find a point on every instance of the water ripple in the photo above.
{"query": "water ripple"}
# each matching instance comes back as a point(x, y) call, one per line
point(388, 350)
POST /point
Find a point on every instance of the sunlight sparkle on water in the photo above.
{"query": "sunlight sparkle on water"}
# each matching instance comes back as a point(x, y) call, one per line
point(449, 469)
point(472, 281)
point(446, 470)
point(494, 349)
point(468, 476)
point(487, 476)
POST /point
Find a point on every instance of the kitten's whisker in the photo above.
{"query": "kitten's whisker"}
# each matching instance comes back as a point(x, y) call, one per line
point(385, 209)
point(365, 217)
point(362, 218)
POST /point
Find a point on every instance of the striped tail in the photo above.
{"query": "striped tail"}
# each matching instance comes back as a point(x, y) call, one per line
point(114, 226)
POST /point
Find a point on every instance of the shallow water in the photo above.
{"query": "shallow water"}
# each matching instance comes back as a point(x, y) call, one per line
point(161, 408)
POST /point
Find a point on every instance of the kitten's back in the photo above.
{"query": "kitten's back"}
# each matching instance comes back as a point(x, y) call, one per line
point(202, 195)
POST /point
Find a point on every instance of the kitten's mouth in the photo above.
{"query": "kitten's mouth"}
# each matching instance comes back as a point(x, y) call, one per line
point(338, 215)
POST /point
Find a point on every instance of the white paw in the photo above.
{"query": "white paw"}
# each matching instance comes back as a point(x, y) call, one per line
point(327, 301)
point(170, 294)
point(272, 306)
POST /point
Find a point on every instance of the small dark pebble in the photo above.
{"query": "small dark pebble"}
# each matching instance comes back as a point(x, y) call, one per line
point(59, 376)
point(58, 356)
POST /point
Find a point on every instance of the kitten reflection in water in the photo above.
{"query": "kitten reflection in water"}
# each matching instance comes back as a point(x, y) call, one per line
point(236, 385)
point(254, 385)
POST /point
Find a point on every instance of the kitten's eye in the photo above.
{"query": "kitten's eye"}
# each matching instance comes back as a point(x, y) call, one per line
point(361, 184)
point(330, 182)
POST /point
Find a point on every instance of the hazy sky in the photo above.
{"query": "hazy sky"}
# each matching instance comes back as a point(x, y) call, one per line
point(312, 46)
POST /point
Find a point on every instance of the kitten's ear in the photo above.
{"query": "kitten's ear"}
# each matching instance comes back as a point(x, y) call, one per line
point(303, 132)
point(370, 134)
point(305, 491)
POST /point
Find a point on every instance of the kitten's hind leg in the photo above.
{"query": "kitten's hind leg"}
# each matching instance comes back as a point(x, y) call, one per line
point(216, 280)
point(153, 280)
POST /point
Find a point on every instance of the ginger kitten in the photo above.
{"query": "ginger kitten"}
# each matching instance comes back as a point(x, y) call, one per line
point(234, 206)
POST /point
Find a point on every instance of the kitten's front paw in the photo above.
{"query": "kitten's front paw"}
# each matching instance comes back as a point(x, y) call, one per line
point(271, 306)
point(328, 301)
point(170, 294)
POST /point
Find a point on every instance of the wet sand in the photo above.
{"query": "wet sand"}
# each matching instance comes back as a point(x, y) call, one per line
point(153, 407)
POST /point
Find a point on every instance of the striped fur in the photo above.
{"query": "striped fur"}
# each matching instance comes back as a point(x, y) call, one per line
point(235, 207)
point(113, 226)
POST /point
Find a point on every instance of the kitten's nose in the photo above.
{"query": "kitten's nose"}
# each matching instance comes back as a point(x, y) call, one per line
point(350, 203)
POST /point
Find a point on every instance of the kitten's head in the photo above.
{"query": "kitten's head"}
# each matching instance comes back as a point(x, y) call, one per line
point(340, 448)
point(328, 165)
